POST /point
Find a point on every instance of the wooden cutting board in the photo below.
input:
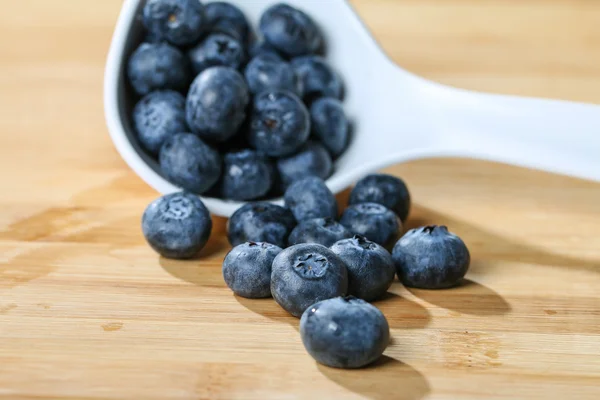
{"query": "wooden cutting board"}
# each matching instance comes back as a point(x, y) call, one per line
point(88, 311)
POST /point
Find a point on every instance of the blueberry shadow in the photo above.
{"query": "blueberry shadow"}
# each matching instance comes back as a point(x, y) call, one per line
point(194, 271)
point(385, 379)
point(467, 298)
point(269, 308)
point(402, 313)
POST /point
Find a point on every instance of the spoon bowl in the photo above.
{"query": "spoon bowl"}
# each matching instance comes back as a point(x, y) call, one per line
point(396, 116)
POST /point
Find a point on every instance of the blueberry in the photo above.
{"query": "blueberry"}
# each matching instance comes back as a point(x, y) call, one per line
point(430, 257)
point(268, 71)
point(247, 269)
point(310, 198)
point(329, 124)
point(158, 66)
point(290, 30)
point(374, 221)
point(260, 222)
point(344, 332)
point(305, 274)
point(247, 175)
point(371, 269)
point(216, 103)
point(177, 225)
point(383, 189)
point(311, 160)
point(190, 163)
point(324, 231)
point(181, 22)
point(226, 18)
point(217, 50)
point(262, 47)
point(317, 78)
point(280, 123)
point(158, 116)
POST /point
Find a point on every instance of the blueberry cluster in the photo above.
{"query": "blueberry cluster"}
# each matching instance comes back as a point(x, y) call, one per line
point(227, 115)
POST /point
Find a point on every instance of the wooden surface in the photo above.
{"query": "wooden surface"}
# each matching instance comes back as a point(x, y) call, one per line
point(87, 310)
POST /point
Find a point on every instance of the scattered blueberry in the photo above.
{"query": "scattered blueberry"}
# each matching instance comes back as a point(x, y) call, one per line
point(344, 332)
point(430, 257)
point(226, 18)
point(290, 30)
point(329, 124)
point(260, 222)
point(305, 274)
point(383, 189)
point(317, 78)
point(247, 175)
point(247, 269)
point(177, 225)
point(310, 198)
point(371, 269)
point(216, 103)
point(158, 116)
point(312, 159)
point(158, 66)
point(324, 231)
point(373, 221)
point(190, 163)
point(181, 22)
point(280, 123)
point(217, 49)
point(268, 71)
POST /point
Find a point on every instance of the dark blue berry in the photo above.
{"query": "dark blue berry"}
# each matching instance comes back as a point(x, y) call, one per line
point(177, 225)
point(371, 269)
point(373, 221)
point(329, 124)
point(317, 78)
point(216, 103)
point(305, 274)
point(158, 66)
point(430, 257)
point(383, 189)
point(312, 159)
point(344, 332)
point(310, 198)
point(268, 71)
point(226, 18)
point(280, 123)
point(190, 163)
point(217, 49)
point(247, 269)
point(324, 231)
point(290, 30)
point(260, 222)
point(262, 47)
point(180, 22)
point(247, 175)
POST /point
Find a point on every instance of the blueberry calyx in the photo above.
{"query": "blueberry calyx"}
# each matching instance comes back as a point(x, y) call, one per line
point(431, 228)
point(363, 242)
point(311, 266)
point(178, 208)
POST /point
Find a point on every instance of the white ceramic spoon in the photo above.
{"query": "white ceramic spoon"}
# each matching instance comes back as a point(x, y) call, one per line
point(397, 116)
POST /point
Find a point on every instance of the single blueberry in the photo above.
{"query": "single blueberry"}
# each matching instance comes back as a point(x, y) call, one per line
point(305, 274)
point(324, 231)
point(216, 103)
point(280, 123)
point(373, 221)
point(157, 117)
point(371, 269)
point(181, 22)
point(158, 66)
point(190, 163)
point(311, 160)
point(383, 189)
point(247, 175)
point(177, 225)
point(290, 30)
point(260, 222)
point(344, 332)
point(310, 198)
point(217, 49)
point(226, 18)
point(430, 257)
point(263, 47)
point(247, 269)
point(330, 125)
point(268, 71)
point(317, 78)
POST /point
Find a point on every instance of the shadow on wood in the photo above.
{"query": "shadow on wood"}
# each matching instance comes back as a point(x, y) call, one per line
point(402, 313)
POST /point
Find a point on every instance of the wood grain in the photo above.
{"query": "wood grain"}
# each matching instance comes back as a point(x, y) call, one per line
point(88, 311)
